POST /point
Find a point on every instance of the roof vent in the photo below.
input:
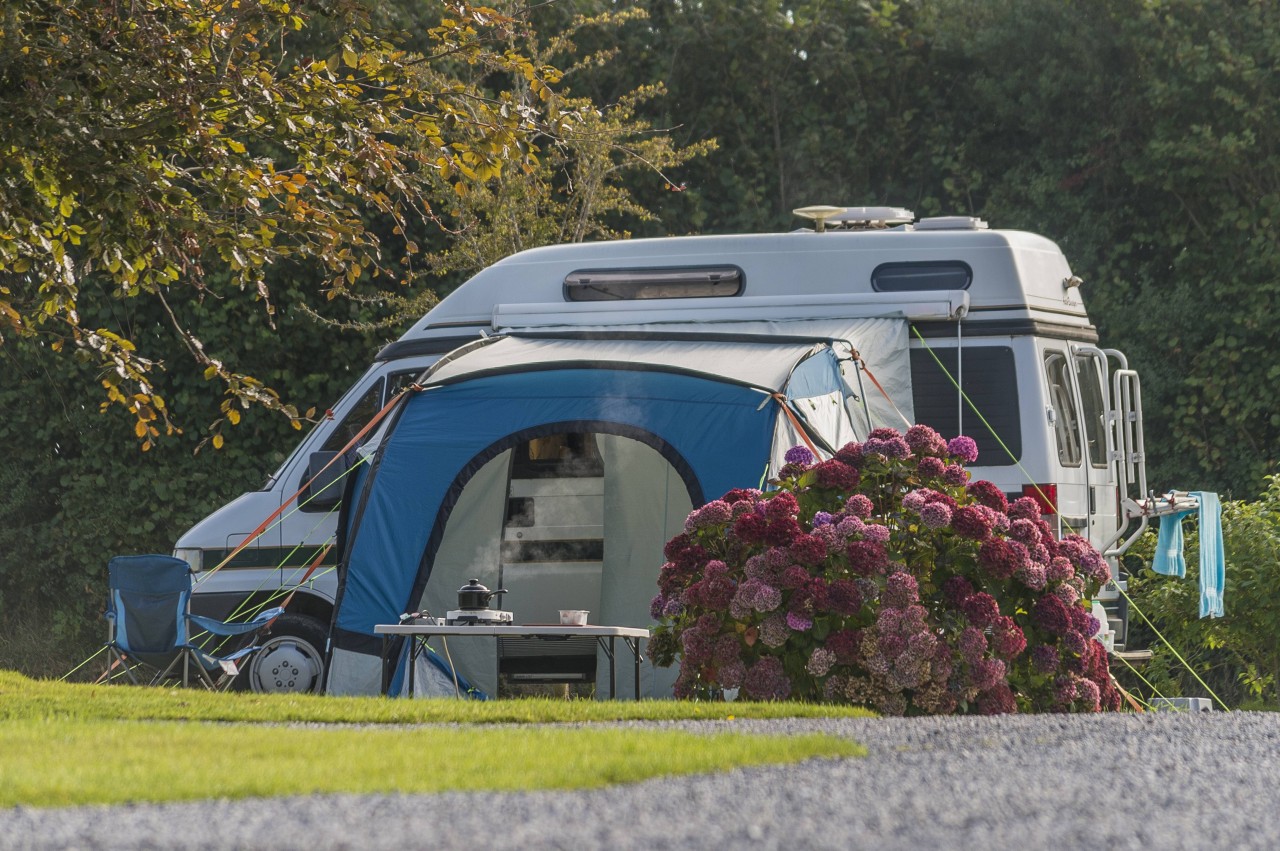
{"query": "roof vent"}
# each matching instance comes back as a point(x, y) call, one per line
point(951, 223)
point(855, 218)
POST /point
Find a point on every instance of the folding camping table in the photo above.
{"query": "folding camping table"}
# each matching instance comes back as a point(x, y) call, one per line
point(417, 633)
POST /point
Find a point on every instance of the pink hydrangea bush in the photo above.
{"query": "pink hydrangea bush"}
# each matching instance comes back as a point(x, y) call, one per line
point(884, 577)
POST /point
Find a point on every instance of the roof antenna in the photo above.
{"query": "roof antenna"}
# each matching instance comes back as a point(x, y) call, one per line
point(819, 215)
point(855, 218)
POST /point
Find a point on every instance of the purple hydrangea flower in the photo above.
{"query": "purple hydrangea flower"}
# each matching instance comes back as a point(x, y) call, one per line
point(799, 623)
point(821, 518)
point(820, 661)
point(766, 680)
point(923, 440)
point(915, 500)
point(1089, 695)
point(732, 674)
point(756, 567)
point(955, 475)
point(1044, 658)
point(1060, 569)
point(774, 632)
point(964, 448)
point(988, 673)
point(876, 533)
point(1074, 643)
point(972, 644)
point(930, 467)
point(1064, 689)
point(859, 505)
point(850, 526)
point(900, 590)
point(889, 447)
point(1033, 576)
point(935, 515)
point(714, 513)
point(798, 455)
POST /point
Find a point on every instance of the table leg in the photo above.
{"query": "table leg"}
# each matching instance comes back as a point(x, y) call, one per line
point(386, 679)
point(635, 650)
point(413, 661)
point(613, 678)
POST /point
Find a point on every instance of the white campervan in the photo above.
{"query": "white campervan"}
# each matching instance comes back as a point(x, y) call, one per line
point(1001, 349)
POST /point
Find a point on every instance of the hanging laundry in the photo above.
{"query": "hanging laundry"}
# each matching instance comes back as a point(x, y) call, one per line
point(1169, 559)
point(1213, 568)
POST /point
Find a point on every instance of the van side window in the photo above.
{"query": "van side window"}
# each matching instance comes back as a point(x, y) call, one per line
point(1066, 419)
point(1095, 410)
point(370, 403)
point(994, 392)
point(630, 284)
point(920, 277)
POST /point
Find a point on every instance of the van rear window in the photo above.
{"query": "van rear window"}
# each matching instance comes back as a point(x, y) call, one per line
point(631, 284)
point(918, 277)
point(991, 383)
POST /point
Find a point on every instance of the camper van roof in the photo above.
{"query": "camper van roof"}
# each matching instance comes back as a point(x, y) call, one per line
point(1006, 274)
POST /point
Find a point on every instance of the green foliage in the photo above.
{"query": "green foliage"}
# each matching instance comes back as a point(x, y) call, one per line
point(149, 144)
point(1238, 655)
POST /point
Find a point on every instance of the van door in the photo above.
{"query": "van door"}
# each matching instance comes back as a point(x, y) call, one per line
point(1094, 415)
point(1064, 421)
point(1077, 415)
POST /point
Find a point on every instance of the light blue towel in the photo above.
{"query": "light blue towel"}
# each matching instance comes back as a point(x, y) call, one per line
point(1170, 561)
point(1213, 568)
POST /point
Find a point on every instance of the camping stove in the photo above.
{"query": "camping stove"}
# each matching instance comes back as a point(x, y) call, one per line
point(477, 617)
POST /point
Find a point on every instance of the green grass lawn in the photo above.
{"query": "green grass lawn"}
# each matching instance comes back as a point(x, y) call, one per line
point(63, 744)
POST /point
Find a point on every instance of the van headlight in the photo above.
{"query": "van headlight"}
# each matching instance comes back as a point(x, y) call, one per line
point(193, 557)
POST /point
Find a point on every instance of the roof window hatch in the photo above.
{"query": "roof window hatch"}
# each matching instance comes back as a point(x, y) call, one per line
point(657, 283)
point(921, 277)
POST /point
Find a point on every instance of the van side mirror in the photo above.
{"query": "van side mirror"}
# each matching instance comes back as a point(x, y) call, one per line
point(325, 487)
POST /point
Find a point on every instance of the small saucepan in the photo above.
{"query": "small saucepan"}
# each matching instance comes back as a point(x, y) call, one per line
point(473, 595)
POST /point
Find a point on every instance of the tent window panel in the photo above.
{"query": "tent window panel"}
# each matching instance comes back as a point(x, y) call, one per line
point(994, 392)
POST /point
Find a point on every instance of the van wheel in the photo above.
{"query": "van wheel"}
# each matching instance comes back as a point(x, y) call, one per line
point(292, 657)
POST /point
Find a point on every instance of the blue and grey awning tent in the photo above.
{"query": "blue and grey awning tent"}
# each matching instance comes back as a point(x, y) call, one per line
point(458, 483)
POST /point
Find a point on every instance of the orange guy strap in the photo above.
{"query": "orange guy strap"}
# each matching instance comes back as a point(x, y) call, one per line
point(863, 364)
point(354, 441)
point(795, 422)
point(310, 570)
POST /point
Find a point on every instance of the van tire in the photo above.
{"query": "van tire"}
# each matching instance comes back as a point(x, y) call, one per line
point(290, 659)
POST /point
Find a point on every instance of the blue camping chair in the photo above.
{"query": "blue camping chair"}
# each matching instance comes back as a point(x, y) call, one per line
point(150, 637)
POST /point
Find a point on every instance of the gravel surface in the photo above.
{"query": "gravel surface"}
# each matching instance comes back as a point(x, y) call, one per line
point(1154, 781)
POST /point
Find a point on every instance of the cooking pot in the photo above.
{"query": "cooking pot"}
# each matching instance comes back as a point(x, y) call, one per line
point(473, 595)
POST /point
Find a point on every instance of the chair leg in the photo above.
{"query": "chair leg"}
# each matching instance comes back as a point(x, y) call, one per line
point(119, 659)
point(167, 672)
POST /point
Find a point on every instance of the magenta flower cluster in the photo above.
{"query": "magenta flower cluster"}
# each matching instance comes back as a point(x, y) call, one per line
point(884, 576)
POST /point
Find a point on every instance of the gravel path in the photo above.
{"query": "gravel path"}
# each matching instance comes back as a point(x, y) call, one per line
point(1178, 781)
